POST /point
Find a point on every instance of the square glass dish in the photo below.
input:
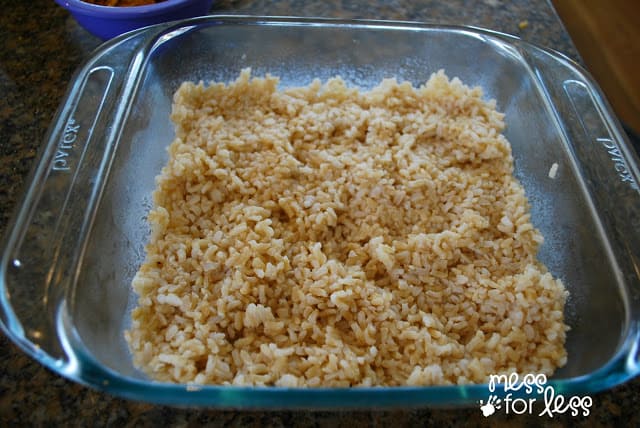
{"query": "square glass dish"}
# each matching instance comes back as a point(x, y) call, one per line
point(78, 237)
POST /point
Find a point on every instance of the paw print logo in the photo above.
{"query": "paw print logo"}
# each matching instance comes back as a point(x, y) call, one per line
point(493, 404)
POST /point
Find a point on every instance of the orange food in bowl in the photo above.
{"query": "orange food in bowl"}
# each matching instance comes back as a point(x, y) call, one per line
point(123, 2)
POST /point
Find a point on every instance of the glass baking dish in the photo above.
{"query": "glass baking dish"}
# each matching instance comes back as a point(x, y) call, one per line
point(79, 234)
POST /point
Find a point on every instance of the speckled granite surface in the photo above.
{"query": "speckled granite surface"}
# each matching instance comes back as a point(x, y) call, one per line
point(42, 46)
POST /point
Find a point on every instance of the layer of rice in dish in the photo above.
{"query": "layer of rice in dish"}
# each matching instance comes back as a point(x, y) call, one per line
point(328, 236)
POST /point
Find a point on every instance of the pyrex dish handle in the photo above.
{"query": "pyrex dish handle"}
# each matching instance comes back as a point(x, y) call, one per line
point(45, 242)
point(613, 182)
point(608, 164)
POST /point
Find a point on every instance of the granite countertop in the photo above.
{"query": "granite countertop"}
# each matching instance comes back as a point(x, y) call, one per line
point(42, 46)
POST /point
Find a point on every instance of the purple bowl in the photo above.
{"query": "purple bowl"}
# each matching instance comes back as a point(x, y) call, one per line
point(109, 21)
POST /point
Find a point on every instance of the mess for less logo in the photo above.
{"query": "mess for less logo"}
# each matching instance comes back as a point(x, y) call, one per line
point(531, 384)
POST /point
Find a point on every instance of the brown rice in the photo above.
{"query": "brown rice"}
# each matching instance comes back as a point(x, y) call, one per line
point(324, 236)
